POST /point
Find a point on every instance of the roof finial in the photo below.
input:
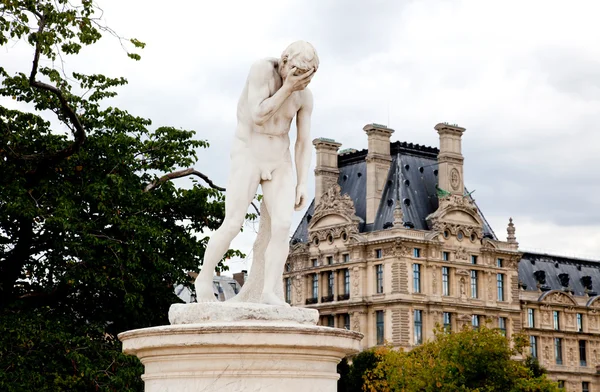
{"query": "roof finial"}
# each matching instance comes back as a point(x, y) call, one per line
point(511, 232)
point(398, 215)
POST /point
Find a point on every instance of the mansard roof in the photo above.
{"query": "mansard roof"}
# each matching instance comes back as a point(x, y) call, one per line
point(412, 181)
point(579, 276)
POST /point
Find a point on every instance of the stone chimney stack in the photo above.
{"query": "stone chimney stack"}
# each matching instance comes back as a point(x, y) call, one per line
point(450, 159)
point(326, 171)
point(378, 165)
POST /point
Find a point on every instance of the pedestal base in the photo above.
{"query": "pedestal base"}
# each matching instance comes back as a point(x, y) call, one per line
point(241, 356)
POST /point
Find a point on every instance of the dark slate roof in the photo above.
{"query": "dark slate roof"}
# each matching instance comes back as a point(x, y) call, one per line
point(411, 180)
point(553, 266)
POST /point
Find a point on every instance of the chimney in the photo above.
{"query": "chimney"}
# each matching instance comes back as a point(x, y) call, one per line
point(450, 159)
point(378, 165)
point(326, 171)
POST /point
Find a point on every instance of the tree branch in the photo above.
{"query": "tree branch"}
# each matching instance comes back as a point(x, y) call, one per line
point(183, 173)
point(189, 172)
point(79, 133)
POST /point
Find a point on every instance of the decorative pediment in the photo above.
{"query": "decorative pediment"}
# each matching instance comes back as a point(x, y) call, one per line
point(456, 214)
point(557, 297)
point(334, 216)
point(593, 302)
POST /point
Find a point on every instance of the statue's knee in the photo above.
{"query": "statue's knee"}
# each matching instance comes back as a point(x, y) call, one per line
point(232, 226)
point(281, 227)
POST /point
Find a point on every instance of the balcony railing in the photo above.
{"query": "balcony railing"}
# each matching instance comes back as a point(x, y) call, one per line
point(310, 301)
point(343, 297)
point(328, 298)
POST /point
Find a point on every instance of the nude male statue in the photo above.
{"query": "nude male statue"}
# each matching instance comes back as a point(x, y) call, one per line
point(275, 93)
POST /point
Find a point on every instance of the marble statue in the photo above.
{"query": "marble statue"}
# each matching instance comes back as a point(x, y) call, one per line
point(275, 92)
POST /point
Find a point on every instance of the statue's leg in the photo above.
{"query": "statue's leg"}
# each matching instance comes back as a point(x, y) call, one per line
point(279, 194)
point(241, 188)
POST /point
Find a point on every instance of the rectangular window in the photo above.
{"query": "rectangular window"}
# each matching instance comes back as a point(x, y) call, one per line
point(531, 318)
point(330, 321)
point(416, 252)
point(346, 258)
point(379, 278)
point(582, 353)
point(380, 326)
point(378, 254)
point(330, 279)
point(447, 321)
point(475, 321)
point(558, 350)
point(418, 327)
point(556, 317)
point(417, 278)
point(445, 281)
point(445, 256)
point(579, 322)
point(473, 284)
point(329, 260)
point(502, 325)
point(315, 286)
point(288, 290)
point(533, 346)
point(346, 281)
point(585, 386)
point(234, 287)
point(500, 284)
point(499, 263)
point(473, 259)
point(314, 262)
point(561, 384)
point(346, 321)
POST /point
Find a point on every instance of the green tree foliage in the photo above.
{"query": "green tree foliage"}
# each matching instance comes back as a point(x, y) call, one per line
point(93, 234)
point(472, 360)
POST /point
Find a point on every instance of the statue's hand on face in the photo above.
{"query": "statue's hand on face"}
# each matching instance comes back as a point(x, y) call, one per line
point(297, 80)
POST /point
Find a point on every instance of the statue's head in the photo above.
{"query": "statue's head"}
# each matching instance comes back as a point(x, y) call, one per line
point(301, 55)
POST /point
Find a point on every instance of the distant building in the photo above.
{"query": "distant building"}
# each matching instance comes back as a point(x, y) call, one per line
point(394, 244)
point(224, 287)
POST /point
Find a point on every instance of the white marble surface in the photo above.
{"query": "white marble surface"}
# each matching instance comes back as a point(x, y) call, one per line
point(240, 357)
point(274, 94)
point(231, 312)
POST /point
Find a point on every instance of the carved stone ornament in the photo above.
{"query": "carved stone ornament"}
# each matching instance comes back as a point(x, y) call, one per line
point(454, 228)
point(452, 203)
point(355, 281)
point(400, 249)
point(454, 179)
point(334, 203)
point(461, 254)
point(557, 297)
point(356, 321)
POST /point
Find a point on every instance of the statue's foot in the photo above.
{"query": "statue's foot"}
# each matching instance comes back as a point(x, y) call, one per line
point(269, 298)
point(205, 294)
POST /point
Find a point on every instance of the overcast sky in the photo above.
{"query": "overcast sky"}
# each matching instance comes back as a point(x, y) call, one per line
point(522, 76)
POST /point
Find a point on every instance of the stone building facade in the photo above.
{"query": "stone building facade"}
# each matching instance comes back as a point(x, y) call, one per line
point(394, 244)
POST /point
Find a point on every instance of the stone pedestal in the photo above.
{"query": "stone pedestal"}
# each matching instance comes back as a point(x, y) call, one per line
point(240, 347)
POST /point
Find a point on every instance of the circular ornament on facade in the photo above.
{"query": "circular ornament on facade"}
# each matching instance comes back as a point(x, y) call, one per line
point(454, 179)
point(460, 235)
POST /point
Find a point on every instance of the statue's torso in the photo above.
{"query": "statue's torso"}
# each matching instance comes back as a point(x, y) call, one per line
point(267, 144)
